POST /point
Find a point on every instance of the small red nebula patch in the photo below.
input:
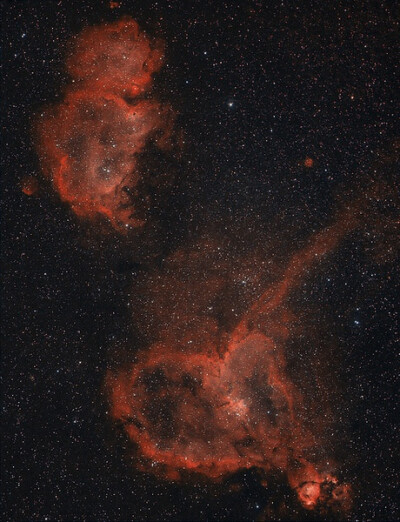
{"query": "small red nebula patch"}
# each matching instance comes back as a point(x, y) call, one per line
point(90, 143)
point(308, 162)
point(205, 401)
point(115, 5)
point(29, 185)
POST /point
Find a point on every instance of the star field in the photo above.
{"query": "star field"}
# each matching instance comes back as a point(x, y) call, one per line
point(285, 117)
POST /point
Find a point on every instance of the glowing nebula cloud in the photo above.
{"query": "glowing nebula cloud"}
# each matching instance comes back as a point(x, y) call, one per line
point(90, 143)
point(203, 397)
point(29, 185)
point(213, 402)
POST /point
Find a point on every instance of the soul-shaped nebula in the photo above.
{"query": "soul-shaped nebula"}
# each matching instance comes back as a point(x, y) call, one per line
point(209, 401)
point(90, 143)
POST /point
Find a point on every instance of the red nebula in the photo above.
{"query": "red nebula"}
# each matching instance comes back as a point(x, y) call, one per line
point(90, 143)
point(212, 402)
point(308, 162)
point(29, 185)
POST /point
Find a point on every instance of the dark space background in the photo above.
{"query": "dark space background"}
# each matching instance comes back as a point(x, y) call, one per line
point(259, 86)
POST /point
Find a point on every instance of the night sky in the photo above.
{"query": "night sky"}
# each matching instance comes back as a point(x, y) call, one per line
point(200, 253)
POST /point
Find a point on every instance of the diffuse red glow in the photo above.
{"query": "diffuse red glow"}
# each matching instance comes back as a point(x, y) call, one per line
point(89, 143)
point(308, 162)
point(29, 185)
point(216, 406)
point(208, 397)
